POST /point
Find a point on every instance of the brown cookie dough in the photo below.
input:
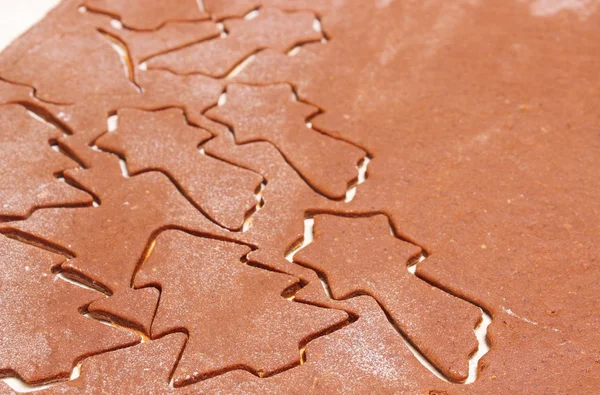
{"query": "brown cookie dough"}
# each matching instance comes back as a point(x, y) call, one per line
point(145, 368)
point(271, 114)
point(142, 45)
point(272, 67)
point(278, 225)
point(85, 60)
point(359, 256)
point(147, 141)
point(225, 9)
point(130, 308)
point(259, 329)
point(193, 93)
point(173, 36)
point(129, 208)
point(30, 168)
point(148, 14)
point(43, 332)
point(272, 28)
point(11, 93)
point(88, 118)
point(480, 155)
point(480, 120)
point(365, 357)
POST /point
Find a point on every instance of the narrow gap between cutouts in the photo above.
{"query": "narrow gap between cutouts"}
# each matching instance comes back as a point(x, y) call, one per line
point(75, 278)
point(318, 26)
point(60, 177)
point(123, 167)
point(241, 66)
point(302, 355)
point(144, 259)
point(361, 178)
point(43, 116)
point(483, 346)
point(73, 281)
point(112, 123)
point(69, 153)
point(178, 187)
point(75, 184)
point(106, 320)
point(252, 14)
point(34, 241)
point(416, 352)
point(258, 196)
point(76, 372)
point(412, 265)
point(227, 74)
point(121, 49)
point(262, 266)
point(115, 16)
point(18, 385)
point(238, 67)
point(222, 99)
point(116, 24)
point(290, 292)
point(480, 331)
point(294, 51)
point(40, 119)
point(223, 33)
point(143, 65)
point(179, 356)
point(307, 238)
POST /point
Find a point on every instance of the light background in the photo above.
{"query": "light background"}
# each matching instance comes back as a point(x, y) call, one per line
point(19, 15)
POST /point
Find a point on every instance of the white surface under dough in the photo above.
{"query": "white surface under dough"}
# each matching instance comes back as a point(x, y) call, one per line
point(19, 15)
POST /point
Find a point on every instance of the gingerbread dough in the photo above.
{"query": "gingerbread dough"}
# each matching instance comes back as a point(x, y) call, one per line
point(460, 136)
